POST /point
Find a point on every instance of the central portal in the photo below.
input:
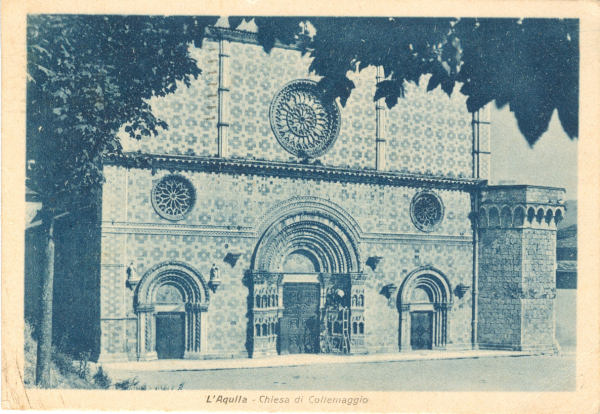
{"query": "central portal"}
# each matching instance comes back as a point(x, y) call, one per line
point(306, 286)
point(300, 321)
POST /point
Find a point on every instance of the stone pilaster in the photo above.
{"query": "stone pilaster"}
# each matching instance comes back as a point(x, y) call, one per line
point(223, 94)
point(380, 111)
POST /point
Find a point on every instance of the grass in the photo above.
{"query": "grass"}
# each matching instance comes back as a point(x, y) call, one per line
point(67, 372)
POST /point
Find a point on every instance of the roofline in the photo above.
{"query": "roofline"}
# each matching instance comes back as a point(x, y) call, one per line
point(521, 186)
point(290, 169)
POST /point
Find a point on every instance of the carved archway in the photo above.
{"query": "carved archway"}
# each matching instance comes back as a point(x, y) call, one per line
point(322, 236)
point(171, 288)
point(313, 225)
point(425, 290)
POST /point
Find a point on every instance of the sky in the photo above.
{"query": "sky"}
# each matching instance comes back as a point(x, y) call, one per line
point(552, 161)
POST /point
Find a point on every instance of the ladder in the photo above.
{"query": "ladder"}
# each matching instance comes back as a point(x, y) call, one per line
point(337, 342)
point(345, 330)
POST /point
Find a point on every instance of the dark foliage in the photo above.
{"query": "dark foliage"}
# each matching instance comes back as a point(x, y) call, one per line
point(530, 64)
point(87, 77)
point(101, 379)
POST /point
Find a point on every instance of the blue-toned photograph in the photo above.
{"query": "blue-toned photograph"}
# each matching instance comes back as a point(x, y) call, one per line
point(301, 203)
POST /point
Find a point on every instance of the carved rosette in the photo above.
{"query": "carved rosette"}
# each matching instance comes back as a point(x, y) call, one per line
point(173, 197)
point(302, 121)
point(426, 211)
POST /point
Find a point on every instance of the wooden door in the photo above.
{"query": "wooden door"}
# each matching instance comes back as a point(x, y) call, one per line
point(299, 332)
point(170, 335)
point(421, 330)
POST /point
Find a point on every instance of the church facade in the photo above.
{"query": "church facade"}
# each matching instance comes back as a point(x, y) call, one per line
point(269, 221)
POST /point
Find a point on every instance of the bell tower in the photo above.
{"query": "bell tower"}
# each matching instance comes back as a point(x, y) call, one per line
point(517, 267)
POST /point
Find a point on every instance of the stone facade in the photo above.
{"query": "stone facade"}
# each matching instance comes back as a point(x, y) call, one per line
point(232, 214)
point(212, 222)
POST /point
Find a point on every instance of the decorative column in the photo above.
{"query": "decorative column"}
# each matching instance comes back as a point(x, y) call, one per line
point(357, 313)
point(194, 337)
point(380, 127)
point(146, 346)
point(481, 143)
point(223, 96)
point(267, 301)
point(405, 327)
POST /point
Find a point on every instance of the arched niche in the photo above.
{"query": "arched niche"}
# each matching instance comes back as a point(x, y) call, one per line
point(483, 218)
point(494, 217)
point(300, 261)
point(519, 216)
point(176, 290)
point(558, 216)
point(530, 214)
point(506, 219)
point(424, 293)
point(549, 216)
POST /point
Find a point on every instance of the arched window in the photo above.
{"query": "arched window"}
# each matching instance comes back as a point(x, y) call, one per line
point(354, 300)
point(361, 300)
point(354, 327)
point(264, 329)
point(257, 304)
point(257, 329)
point(361, 328)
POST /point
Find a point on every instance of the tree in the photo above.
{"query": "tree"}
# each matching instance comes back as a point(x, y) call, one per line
point(87, 77)
point(530, 64)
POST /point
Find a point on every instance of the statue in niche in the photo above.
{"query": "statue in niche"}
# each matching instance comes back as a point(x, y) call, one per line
point(215, 274)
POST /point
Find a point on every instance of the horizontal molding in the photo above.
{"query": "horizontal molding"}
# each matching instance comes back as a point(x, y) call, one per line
point(176, 229)
point(249, 232)
point(234, 166)
point(404, 238)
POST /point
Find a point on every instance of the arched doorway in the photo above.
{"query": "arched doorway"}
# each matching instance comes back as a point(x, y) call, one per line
point(423, 302)
point(307, 256)
point(170, 303)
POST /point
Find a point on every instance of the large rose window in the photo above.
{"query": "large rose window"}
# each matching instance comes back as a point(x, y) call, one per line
point(303, 123)
point(173, 197)
point(426, 211)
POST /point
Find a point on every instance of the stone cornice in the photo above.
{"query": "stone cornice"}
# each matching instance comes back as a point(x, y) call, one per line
point(290, 170)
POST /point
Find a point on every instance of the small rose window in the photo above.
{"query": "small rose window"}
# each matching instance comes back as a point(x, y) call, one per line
point(426, 211)
point(173, 197)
